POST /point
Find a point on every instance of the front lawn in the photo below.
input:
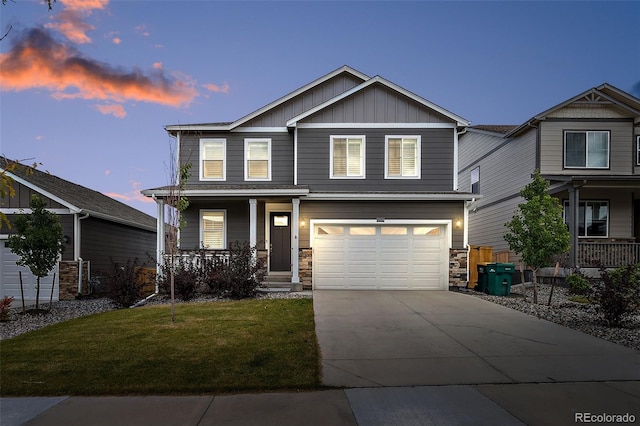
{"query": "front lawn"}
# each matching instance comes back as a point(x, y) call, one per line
point(247, 346)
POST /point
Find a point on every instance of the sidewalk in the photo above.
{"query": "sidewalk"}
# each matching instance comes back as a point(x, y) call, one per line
point(502, 404)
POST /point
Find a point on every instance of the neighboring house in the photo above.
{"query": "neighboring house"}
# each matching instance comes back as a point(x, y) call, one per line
point(588, 147)
point(349, 182)
point(96, 230)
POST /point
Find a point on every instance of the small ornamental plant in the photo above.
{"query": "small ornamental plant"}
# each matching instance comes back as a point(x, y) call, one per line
point(5, 308)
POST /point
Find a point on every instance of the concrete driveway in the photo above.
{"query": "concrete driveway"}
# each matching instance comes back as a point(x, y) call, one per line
point(412, 338)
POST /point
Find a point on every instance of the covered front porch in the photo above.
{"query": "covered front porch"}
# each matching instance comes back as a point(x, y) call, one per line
point(603, 217)
point(265, 217)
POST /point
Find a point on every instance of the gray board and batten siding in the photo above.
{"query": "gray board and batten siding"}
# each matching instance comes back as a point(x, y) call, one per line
point(278, 116)
point(377, 104)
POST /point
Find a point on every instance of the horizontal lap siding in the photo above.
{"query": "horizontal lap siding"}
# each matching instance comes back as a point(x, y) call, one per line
point(66, 220)
point(389, 210)
point(281, 157)
point(620, 208)
point(103, 241)
point(436, 161)
point(237, 222)
point(621, 146)
point(503, 174)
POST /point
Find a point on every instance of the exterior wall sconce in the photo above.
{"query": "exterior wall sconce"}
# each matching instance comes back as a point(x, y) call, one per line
point(458, 223)
point(303, 223)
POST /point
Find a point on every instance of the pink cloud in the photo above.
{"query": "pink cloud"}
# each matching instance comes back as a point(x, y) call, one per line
point(116, 40)
point(36, 60)
point(71, 21)
point(217, 89)
point(115, 110)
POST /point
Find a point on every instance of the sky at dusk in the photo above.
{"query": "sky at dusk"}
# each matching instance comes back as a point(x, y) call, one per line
point(87, 88)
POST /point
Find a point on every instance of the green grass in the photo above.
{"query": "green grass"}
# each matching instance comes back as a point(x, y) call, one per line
point(240, 346)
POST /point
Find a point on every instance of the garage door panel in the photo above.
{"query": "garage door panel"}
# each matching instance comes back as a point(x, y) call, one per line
point(381, 257)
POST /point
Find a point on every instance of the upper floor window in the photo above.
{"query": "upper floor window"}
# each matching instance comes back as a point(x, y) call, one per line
point(402, 157)
point(638, 148)
point(347, 156)
point(475, 180)
point(586, 149)
point(593, 218)
point(212, 159)
point(257, 156)
point(213, 229)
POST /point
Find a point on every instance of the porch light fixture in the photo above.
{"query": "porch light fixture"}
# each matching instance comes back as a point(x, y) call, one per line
point(303, 223)
point(458, 224)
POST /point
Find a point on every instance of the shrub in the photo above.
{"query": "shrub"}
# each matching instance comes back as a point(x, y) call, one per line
point(578, 284)
point(618, 293)
point(126, 283)
point(186, 277)
point(5, 307)
point(241, 276)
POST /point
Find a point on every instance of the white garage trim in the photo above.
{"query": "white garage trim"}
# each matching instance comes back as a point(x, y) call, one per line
point(380, 261)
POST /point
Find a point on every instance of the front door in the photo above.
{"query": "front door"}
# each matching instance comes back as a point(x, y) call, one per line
point(280, 248)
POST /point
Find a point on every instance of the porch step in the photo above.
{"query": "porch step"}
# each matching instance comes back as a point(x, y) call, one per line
point(277, 282)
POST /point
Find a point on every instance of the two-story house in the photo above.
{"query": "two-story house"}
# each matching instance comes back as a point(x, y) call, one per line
point(349, 182)
point(588, 147)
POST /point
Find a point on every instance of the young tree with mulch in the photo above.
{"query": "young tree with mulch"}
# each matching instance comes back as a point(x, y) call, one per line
point(537, 230)
point(38, 241)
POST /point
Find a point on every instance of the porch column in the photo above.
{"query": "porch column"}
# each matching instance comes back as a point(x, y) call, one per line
point(160, 239)
point(253, 222)
point(574, 224)
point(295, 228)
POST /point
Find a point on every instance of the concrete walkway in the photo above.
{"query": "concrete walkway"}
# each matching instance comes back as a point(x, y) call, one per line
point(405, 358)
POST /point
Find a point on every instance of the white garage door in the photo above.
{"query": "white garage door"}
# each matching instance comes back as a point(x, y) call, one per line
point(10, 279)
point(380, 257)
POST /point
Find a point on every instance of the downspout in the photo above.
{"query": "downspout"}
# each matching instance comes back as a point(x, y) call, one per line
point(76, 248)
point(159, 250)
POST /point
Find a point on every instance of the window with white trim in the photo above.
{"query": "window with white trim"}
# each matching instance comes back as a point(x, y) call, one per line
point(213, 229)
point(257, 156)
point(593, 218)
point(586, 149)
point(638, 150)
point(402, 157)
point(213, 159)
point(475, 180)
point(347, 157)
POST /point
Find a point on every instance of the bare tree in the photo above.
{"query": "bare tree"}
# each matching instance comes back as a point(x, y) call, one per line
point(177, 203)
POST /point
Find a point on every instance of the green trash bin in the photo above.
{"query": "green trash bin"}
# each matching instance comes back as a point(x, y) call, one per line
point(499, 278)
point(482, 278)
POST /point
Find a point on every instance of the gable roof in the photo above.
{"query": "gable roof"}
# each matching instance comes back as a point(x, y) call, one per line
point(603, 93)
point(494, 128)
point(232, 125)
point(79, 199)
point(379, 80)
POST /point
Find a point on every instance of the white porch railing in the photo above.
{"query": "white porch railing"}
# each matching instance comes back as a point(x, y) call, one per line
point(196, 257)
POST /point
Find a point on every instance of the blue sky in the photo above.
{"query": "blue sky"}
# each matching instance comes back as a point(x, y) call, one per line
point(86, 89)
